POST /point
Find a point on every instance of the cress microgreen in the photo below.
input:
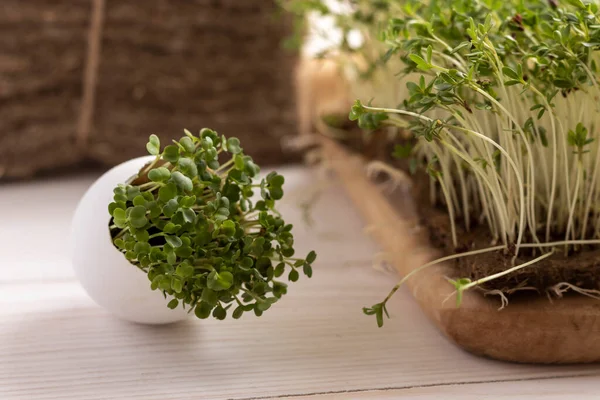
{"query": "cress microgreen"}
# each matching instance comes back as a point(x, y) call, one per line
point(502, 97)
point(189, 221)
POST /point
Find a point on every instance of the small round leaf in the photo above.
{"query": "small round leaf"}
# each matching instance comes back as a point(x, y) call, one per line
point(233, 145)
point(171, 153)
point(153, 145)
point(174, 241)
point(182, 181)
point(160, 174)
point(173, 304)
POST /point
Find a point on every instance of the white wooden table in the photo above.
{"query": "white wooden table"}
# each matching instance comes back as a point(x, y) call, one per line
point(55, 343)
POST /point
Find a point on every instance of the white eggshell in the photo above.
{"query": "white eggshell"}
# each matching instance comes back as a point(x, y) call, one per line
point(109, 279)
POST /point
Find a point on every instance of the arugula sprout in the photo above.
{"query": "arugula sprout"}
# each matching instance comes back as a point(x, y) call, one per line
point(190, 223)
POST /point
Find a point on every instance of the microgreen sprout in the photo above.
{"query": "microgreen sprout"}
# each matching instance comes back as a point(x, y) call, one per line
point(504, 100)
point(189, 221)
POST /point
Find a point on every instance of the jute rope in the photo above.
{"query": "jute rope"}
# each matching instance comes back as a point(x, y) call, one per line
point(90, 76)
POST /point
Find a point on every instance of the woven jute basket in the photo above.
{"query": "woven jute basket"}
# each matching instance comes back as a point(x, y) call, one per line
point(92, 79)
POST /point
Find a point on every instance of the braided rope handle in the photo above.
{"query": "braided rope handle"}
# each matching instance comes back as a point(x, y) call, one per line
point(90, 74)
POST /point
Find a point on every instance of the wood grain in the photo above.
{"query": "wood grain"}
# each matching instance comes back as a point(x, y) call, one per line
point(532, 331)
point(55, 343)
point(547, 389)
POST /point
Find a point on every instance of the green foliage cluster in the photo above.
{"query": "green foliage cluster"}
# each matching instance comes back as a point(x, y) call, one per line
point(190, 223)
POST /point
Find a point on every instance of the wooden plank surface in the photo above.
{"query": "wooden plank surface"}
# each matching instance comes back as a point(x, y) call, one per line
point(34, 226)
point(548, 389)
point(55, 343)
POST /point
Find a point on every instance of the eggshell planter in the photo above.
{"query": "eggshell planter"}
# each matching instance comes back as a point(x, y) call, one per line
point(104, 272)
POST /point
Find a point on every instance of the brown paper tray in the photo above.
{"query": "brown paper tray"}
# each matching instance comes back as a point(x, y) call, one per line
point(537, 330)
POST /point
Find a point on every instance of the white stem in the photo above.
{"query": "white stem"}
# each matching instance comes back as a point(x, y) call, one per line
point(508, 271)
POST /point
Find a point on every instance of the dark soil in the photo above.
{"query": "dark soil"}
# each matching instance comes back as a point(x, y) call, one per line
point(581, 268)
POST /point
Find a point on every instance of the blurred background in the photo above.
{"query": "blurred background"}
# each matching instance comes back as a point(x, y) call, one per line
point(85, 82)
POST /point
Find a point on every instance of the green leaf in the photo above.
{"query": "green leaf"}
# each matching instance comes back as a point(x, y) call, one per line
point(207, 143)
point(460, 47)
point(132, 192)
point(138, 222)
point(182, 181)
point(164, 283)
point(173, 241)
point(276, 180)
point(167, 192)
point(219, 313)
point(171, 258)
point(137, 212)
point(510, 73)
point(237, 313)
point(205, 132)
point(239, 162)
point(159, 174)
point(119, 213)
point(293, 275)
point(577, 3)
point(187, 201)
point(220, 281)
point(223, 211)
point(187, 143)
point(307, 269)
point(187, 167)
point(247, 262)
point(141, 248)
point(170, 208)
point(276, 193)
point(171, 153)
point(459, 285)
point(210, 296)
point(563, 83)
point(233, 145)
point(421, 64)
point(203, 310)
point(228, 228)
point(112, 207)
point(189, 215)
point(176, 285)
point(379, 317)
point(356, 111)
point(142, 235)
point(311, 257)
point(139, 201)
point(377, 310)
point(153, 145)
point(184, 251)
point(189, 134)
point(185, 270)
point(173, 304)
point(279, 270)
point(263, 305)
